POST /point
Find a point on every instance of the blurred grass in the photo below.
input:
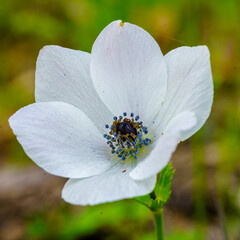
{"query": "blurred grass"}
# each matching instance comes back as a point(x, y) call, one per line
point(27, 25)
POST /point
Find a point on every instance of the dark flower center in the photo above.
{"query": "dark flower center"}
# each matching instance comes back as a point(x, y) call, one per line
point(125, 136)
point(126, 128)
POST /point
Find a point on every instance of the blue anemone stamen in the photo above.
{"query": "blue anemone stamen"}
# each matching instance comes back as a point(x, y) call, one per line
point(126, 136)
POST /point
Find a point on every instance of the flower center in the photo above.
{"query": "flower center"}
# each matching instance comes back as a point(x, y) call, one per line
point(125, 136)
point(126, 127)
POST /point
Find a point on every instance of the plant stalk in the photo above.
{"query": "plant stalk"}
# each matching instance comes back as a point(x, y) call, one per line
point(158, 217)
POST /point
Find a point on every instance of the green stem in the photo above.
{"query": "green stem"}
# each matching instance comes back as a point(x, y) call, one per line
point(158, 217)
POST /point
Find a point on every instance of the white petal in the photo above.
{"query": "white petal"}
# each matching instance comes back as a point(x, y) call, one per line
point(61, 139)
point(129, 70)
point(190, 86)
point(165, 146)
point(64, 75)
point(182, 122)
point(107, 187)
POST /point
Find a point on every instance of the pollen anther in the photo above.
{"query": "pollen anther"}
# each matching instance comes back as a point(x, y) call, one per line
point(125, 136)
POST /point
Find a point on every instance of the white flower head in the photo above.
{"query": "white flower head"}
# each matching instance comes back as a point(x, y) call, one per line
point(110, 120)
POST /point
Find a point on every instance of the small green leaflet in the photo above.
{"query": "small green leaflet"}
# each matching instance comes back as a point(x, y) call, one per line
point(162, 191)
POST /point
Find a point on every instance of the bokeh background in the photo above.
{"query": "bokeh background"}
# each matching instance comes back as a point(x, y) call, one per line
point(205, 202)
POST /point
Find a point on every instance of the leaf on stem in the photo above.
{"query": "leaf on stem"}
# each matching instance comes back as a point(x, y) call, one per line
point(162, 191)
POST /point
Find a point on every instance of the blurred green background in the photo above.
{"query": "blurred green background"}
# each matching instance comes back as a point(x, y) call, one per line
point(205, 203)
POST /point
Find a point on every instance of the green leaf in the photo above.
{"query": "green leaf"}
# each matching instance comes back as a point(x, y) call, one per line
point(162, 191)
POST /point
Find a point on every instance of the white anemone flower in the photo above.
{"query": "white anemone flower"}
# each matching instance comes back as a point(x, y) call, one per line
point(110, 120)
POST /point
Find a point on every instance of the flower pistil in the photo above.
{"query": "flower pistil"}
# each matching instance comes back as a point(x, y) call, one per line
point(125, 136)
